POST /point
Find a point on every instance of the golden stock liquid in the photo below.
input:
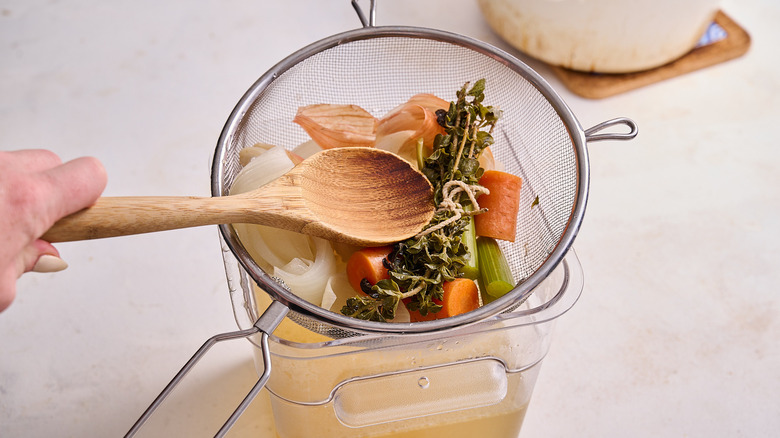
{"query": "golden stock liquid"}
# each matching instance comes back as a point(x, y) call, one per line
point(300, 422)
point(498, 426)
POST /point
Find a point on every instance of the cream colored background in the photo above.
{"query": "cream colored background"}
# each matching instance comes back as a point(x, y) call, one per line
point(676, 334)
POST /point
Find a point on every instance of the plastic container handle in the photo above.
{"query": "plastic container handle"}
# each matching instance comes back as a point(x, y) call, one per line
point(265, 324)
point(592, 134)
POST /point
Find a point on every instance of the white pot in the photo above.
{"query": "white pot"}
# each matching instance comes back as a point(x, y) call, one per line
point(608, 36)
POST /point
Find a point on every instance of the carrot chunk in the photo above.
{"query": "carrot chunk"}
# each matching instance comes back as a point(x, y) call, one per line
point(367, 263)
point(461, 295)
point(503, 203)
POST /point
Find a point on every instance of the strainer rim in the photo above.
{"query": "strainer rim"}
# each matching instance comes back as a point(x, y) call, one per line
point(518, 294)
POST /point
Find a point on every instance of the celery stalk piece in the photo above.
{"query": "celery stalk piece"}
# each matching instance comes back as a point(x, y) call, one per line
point(494, 273)
point(471, 270)
point(486, 299)
point(419, 153)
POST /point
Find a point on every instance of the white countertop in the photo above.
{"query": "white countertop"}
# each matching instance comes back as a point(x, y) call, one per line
point(677, 332)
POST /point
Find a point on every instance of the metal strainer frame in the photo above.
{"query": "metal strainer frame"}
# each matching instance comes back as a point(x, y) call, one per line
point(285, 303)
point(311, 315)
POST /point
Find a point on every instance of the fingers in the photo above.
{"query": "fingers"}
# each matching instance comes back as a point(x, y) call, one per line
point(34, 160)
point(36, 190)
point(75, 185)
point(39, 256)
point(33, 201)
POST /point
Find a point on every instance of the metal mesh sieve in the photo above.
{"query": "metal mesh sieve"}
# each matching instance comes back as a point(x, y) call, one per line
point(538, 138)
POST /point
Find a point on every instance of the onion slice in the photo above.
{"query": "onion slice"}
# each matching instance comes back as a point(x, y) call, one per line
point(416, 118)
point(333, 126)
point(307, 278)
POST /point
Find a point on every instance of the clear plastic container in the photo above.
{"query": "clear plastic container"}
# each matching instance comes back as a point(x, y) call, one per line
point(470, 381)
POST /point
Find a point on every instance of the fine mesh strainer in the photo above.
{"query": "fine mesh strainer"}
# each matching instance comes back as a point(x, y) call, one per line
point(538, 138)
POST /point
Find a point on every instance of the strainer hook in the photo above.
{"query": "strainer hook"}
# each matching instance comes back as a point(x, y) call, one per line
point(592, 134)
point(371, 20)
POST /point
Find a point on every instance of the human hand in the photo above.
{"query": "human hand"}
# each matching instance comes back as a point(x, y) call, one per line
point(36, 190)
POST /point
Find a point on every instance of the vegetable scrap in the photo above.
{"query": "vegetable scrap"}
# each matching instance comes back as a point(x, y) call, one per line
point(502, 202)
point(419, 267)
point(454, 265)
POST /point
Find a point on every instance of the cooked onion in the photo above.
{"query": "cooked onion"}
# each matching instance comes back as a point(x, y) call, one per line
point(307, 149)
point(307, 278)
point(337, 291)
point(410, 117)
point(400, 143)
point(260, 171)
point(488, 161)
point(399, 130)
point(304, 263)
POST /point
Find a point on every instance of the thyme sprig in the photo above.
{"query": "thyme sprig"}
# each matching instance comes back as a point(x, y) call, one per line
point(419, 266)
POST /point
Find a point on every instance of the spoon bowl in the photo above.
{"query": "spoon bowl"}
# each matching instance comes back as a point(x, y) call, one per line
point(356, 195)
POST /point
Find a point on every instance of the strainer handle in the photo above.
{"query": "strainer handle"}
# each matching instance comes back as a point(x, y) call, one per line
point(592, 134)
point(265, 324)
point(371, 20)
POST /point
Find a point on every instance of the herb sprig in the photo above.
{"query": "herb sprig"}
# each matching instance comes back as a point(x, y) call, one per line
point(419, 266)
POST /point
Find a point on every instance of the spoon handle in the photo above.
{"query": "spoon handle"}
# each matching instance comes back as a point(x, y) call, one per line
point(120, 216)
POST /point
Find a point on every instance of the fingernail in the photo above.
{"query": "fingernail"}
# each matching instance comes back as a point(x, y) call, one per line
point(49, 263)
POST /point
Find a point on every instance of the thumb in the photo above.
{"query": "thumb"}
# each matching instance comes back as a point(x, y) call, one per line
point(40, 256)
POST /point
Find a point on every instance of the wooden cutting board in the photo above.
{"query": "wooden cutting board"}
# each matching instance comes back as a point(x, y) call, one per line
point(598, 86)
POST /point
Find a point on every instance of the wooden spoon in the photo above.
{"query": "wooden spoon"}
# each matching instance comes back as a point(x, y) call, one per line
point(362, 196)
